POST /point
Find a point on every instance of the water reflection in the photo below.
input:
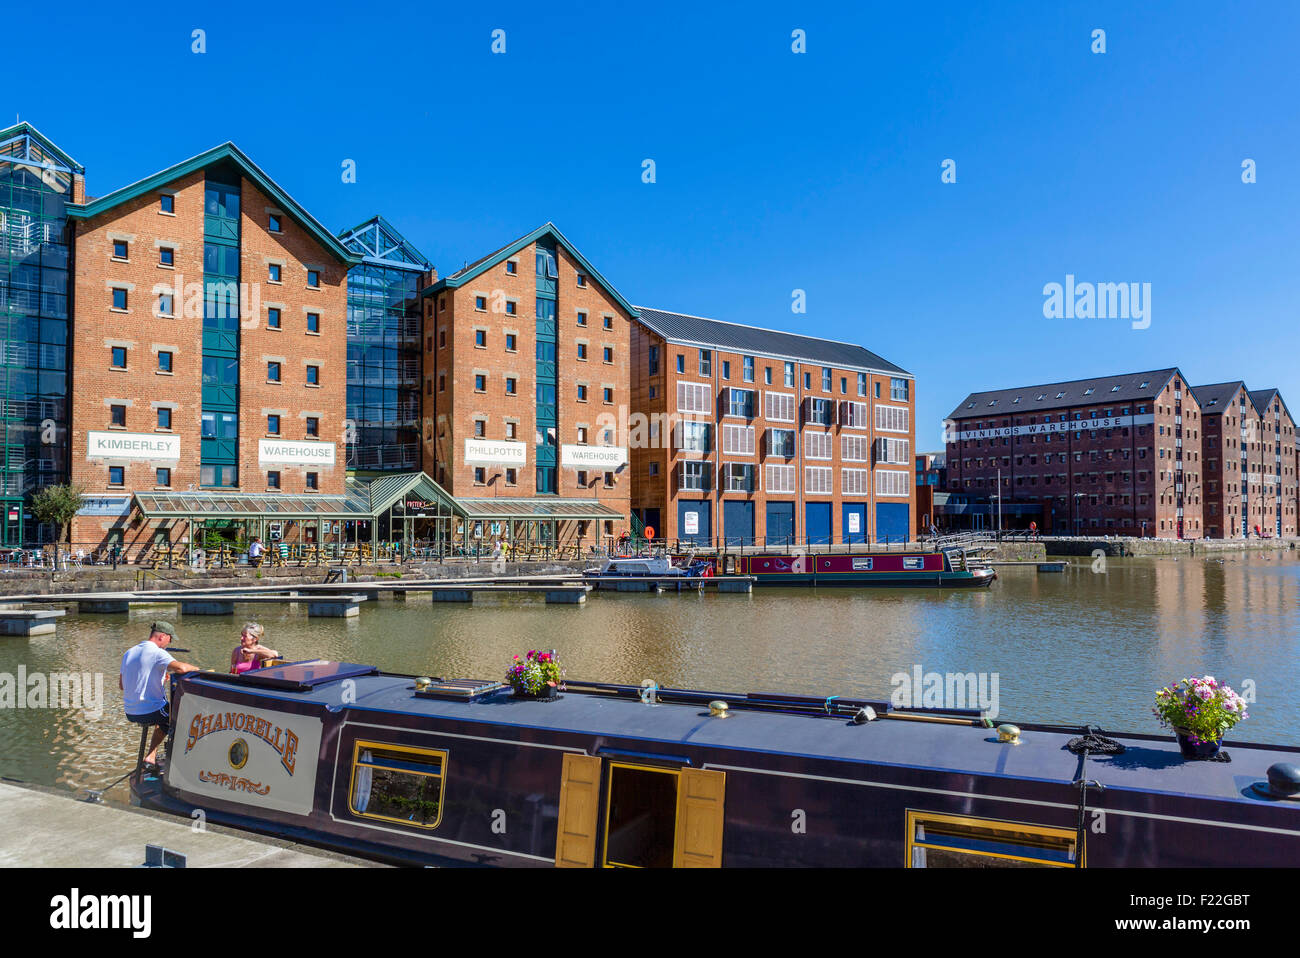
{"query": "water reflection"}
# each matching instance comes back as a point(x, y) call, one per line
point(1079, 647)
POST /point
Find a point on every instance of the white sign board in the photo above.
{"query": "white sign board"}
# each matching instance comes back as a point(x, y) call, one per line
point(690, 523)
point(250, 756)
point(495, 453)
point(289, 452)
point(132, 445)
point(593, 457)
point(855, 522)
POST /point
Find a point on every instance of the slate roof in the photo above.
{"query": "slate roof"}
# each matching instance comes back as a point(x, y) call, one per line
point(1215, 398)
point(1118, 388)
point(1261, 398)
point(735, 337)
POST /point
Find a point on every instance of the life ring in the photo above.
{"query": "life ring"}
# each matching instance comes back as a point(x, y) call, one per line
point(649, 532)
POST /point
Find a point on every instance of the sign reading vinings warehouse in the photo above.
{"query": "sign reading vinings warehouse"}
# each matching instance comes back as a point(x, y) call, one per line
point(132, 445)
point(293, 453)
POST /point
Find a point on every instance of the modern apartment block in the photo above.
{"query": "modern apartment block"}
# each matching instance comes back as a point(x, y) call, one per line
point(526, 370)
point(1250, 462)
point(38, 181)
point(1118, 455)
point(754, 437)
point(209, 340)
point(385, 348)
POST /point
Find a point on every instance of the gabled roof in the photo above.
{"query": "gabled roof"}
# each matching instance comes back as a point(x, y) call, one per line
point(735, 337)
point(1215, 397)
point(479, 266)
point(377, 241)
point(47, 145)
point(1261, 398)
point(1120, 388)
point(226, 151)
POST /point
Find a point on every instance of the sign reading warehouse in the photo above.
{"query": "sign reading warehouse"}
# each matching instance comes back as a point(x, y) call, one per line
point(593, 457)
point(289, 452)
point(132, 445)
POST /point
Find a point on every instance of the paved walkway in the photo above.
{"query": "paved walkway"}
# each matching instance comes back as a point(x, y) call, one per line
point(45, 828)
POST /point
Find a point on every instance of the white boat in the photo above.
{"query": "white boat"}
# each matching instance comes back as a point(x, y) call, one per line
point(657, 566)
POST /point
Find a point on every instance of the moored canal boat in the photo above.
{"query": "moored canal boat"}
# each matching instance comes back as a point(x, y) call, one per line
point(943, 569)
point(464, 772)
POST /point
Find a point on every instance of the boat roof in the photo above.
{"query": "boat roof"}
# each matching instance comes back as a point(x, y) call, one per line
point(1150, 763)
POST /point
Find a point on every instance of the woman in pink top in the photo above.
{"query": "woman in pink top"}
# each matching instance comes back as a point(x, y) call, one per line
point(250, 653)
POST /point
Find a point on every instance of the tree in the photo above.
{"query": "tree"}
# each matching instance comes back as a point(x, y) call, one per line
point(57, 504)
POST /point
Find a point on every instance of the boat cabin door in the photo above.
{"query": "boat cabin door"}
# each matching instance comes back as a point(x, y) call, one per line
point(623, 815)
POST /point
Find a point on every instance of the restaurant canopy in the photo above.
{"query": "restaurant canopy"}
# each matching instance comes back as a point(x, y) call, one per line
point(540, 508)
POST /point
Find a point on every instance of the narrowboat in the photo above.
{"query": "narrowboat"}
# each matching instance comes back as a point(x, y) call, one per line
point(446, 772)
point(649, 566)
point(944, 569)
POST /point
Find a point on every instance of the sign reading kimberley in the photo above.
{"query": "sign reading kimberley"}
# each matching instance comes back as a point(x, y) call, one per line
point(132, 445)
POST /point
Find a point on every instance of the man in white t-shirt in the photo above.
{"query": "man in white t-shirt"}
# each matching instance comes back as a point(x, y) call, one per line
point(255, 549)
point(145, 667)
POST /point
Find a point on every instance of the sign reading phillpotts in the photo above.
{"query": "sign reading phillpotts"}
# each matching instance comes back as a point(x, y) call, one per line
point(492, 453)
point(593, 457)
point(289, 452)
point(132, 445)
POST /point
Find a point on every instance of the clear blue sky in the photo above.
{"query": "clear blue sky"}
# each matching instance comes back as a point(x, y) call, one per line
point(775, 171)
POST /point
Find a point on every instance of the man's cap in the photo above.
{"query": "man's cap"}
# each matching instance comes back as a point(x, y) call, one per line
point(166, 628)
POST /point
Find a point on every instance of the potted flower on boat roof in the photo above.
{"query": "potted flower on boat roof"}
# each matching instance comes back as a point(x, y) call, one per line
point(1200, 711)
point(535, 676)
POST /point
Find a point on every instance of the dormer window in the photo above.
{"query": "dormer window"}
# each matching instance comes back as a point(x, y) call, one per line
point(1089, 391)
point(1114, 389)
point(1060, 395)
point(1144, 385)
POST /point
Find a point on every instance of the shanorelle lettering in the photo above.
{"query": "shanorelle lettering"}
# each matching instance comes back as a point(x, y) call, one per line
point(283, 740)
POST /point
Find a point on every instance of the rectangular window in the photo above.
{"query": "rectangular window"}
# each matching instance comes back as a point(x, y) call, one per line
point(511, 385)
point(681, 363)
point(582, 318)
point(164, 418)
point(273, 479)
point(853, 415)
point(818, 480)
point(166, 256)
point(693, 437)
point(116, 475)
point(826, 380)
point(480, 475)
point(726, 369)
point(694, 397)
point(747, 369)
point(807, 380)
point(609, 322)
point(273, 223)
point(272, 318)
point(117, 414)
point(862, 384)
point(480, 338)
point(855, 448)
point(739, 477)
point(165, 305)
point(273, 372)
point(654, 360)
point(694, 477)
point(582, 351)
point(119, 357)
point(789, 374)
point(780, 478)
point(779, 407)
point(313, 481)
point(512, 429)
point(313, 375)
point(951, 841)
point(164, 362)
point(582, 393)
point(512, 267)
point(821, 411)
point(767, 375)
point(273, 272)
point(582, 280)
point(511, 343)
point(892, 451)
point(273, 425)
point(163, 477)
point(781, 442)
point(706, 362)
point(740, 402)
point(609, 394)
point(480, 427)
point(512, 308)
point(891, 482)
point(898, 389)
point(855, 482)
point(737, 440)
point(313, 426)
point(313, 322)
point(512, 477)
point(119, 298)
point(119, 249)
point(817, 445)
point(609, 480)
point(480, 304)
point(609, 354)
point(892, 418)
point(167, 203)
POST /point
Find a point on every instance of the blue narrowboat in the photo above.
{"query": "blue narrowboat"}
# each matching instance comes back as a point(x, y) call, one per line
point(429, 771)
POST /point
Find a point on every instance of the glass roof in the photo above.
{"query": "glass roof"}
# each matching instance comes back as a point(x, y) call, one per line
point(537, 509)
point(233, 504)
